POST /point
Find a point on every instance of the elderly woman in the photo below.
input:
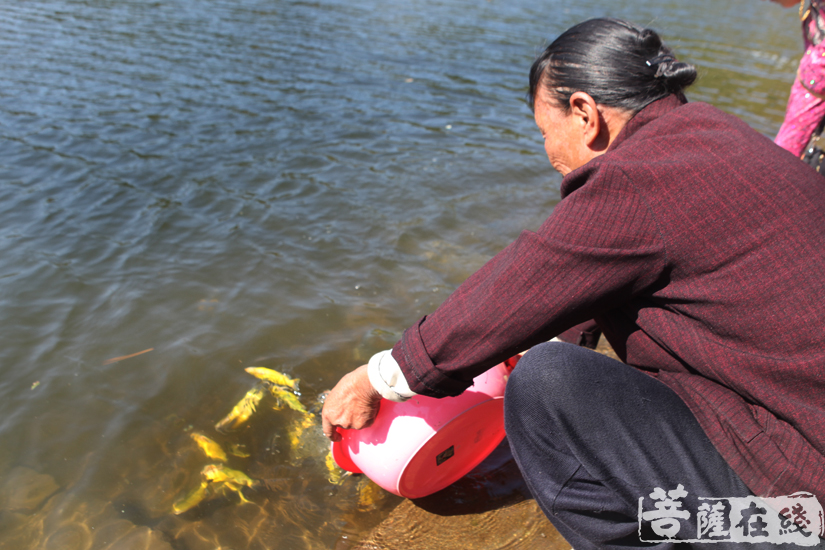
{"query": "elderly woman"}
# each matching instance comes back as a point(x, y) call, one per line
point(697, 245)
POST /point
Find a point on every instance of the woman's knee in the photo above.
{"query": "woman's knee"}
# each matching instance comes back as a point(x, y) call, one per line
point(557, 379)
point(546, 369)
point(544, 379)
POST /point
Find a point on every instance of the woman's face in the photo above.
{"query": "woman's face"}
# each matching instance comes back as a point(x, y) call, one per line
point(557, 128)
point(574, 137)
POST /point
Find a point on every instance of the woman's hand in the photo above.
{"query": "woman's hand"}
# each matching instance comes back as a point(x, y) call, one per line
point(352, 404)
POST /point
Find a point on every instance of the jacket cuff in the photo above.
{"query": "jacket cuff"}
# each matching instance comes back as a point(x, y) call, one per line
point(421, 374)
point(386, 377)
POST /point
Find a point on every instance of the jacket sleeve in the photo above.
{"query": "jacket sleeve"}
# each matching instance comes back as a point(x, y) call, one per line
point(598, 249)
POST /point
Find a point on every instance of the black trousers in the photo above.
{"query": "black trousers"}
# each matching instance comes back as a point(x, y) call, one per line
point(592, 436)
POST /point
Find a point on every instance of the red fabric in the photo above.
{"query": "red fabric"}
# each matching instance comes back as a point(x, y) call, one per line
point(699, 247)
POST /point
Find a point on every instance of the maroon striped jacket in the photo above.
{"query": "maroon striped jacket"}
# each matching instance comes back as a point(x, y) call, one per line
point(699, 247)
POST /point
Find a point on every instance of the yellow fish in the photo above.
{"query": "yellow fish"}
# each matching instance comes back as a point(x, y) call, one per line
point(297, 429)
point(228, 485)
point(273, 377)
point(218, 473)
point(242, 411)
point(210, 448)
point(192, 499)
point(238, 449)
point(287, 397)
point(335, 474)
point(369, 495)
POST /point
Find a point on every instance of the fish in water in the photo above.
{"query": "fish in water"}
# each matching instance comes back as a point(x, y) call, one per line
point(370, 495)
point(273, 377)
point(218, 473)
point(215, 479)
point(296, 431)
point(234, 487)
point(335, 474)
point(238, 449)
point(286, 396)
point(192, 499)
point(227, 479)
point(243, 410)
point(209, 447)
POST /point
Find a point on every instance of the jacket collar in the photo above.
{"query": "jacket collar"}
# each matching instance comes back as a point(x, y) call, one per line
point(578, 177)
point(649, 113)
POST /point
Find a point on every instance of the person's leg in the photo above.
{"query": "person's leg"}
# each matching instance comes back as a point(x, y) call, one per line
point(592, 436)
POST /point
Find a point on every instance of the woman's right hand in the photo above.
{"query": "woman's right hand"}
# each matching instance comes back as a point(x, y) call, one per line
point(352, 404)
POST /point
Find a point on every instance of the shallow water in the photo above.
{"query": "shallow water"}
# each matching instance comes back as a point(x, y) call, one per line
point(263, 182)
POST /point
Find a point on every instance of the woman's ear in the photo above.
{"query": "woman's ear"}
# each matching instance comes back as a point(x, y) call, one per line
point(598, 127)
point(588, 120)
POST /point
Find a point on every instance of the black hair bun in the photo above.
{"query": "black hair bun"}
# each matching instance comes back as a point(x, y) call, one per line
point(676, 74)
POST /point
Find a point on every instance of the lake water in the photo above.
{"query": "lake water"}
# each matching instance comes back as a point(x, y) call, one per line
point(222, 184)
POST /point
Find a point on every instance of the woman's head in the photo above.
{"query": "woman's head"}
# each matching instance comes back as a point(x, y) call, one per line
point(618, 64)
